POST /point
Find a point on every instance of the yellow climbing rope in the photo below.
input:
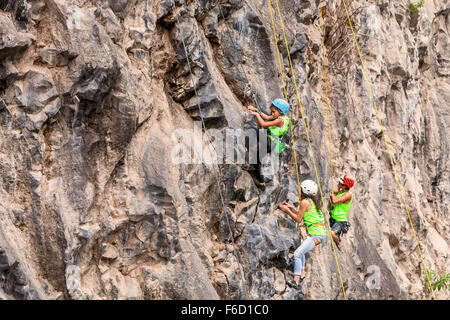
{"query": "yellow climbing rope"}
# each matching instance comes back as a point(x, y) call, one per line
point(292, 123)
point(387, 147)
point(326, 90)
point(306, 129)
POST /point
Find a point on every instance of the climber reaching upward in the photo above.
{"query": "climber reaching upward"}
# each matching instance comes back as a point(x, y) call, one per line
point(309, 211)
point(341, 200)
point(278, 124)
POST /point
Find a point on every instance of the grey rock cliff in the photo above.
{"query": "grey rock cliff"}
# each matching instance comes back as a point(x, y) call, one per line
point(92, 205)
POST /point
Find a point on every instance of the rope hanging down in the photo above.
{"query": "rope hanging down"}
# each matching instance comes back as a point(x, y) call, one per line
point(326, 91)
point(297, 170)
point(387, 147)
point(215, 172)
point(307, 135)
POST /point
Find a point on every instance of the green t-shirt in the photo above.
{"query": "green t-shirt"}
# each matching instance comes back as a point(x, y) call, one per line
point(339, 211)
point(314, 216)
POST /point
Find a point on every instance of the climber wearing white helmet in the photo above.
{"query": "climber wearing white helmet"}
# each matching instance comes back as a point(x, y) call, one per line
point(309, 211)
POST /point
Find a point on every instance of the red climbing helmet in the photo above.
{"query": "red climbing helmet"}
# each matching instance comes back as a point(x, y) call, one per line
point(346, 181)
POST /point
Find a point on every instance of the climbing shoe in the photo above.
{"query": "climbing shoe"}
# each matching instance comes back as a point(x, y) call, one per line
point(297, 288)
point(338, 246)
point(294, 285)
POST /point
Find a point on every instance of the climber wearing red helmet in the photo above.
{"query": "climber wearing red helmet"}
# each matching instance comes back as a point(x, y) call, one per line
point(341, 200)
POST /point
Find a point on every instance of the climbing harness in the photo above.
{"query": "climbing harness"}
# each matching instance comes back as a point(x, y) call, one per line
point(322, 224)
point(276, 134)
point(387, 147)
point(215, 172)
point(306, 128)
point(279, 144)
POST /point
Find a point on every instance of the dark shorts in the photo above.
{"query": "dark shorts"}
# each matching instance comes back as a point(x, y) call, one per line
point(339, 227)
point(261, 153)
point(269, 144)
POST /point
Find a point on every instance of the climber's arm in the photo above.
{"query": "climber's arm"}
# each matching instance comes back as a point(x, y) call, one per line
point(284, 207)
point(291, 206)
point(266, 116)
point(304, 206)
point(342, 199)
point(262, 114)
point(265, 124)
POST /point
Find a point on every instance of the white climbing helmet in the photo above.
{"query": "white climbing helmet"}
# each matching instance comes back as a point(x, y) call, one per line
point(309, 187)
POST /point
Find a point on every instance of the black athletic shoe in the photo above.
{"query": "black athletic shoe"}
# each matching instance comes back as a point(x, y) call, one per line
point(297, 288)
point(293, 285)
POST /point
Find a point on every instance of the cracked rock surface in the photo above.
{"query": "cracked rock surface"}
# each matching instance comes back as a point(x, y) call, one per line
point(92, 205)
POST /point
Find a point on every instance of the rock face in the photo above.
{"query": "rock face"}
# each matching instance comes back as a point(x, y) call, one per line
point(92, 93)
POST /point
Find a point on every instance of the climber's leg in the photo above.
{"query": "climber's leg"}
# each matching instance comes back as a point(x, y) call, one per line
point(336, 231)
point(259, 175)
point(254, 150)
point(263, 150)
point(299, 258)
